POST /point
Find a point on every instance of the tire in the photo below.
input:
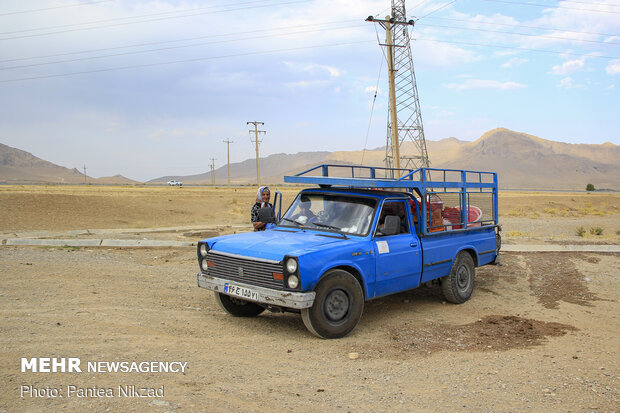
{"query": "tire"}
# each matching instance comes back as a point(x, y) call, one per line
point(459, 284)
point(237, 307)
point(337, 307)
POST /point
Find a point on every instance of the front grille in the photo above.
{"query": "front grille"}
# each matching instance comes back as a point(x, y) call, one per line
point(254, 272)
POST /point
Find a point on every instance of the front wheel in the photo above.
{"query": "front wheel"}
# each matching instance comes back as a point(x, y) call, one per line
point(459, 284)
point(337, 307)
point(237, 307)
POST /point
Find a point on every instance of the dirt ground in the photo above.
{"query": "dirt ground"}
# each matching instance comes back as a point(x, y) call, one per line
point(541, 332)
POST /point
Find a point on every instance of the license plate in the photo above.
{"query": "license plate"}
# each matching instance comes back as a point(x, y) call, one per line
point(241, 292)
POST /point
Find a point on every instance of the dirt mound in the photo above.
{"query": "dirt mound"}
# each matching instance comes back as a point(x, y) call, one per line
point(494, 332)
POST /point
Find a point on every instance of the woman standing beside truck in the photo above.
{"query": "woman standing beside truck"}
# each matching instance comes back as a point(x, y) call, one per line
point(262, 200)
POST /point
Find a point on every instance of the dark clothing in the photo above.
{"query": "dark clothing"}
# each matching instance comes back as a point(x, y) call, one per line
point(254, 214)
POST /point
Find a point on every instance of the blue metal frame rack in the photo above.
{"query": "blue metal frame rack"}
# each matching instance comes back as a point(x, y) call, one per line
point(424, 180)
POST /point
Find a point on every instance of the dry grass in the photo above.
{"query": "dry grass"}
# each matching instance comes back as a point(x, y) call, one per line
point(516, 234)
point(558, 205)
point(63, 207)
point(66, 207)
point(596, 231)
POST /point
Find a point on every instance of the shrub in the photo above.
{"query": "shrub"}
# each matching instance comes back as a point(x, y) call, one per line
point(590, 187)
point(596, 231)
point(581, 231)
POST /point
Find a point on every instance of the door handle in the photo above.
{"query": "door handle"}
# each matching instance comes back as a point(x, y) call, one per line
point(413, 244)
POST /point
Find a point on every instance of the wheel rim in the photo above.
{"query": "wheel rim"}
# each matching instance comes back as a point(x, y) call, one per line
point(462, 278)
point(336, 305)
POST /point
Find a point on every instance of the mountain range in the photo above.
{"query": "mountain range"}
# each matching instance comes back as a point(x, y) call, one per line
point(522, 161)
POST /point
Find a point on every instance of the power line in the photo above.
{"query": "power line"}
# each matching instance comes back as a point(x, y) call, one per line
point(553, 7)
point(53, 8)
point(296, 49)
point(372, 109)
point(145, 21)
point(590, 4)
point(436, 10)
point(523, 34)
point(181, 40)
point(130, 17)
point(419, 4)
point(521, 48)
point(313, 25)
point(184, 61)
point(168, 48)
point(525, 27)
point(288, 34)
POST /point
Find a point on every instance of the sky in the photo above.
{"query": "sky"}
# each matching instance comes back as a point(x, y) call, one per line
point(152, 88)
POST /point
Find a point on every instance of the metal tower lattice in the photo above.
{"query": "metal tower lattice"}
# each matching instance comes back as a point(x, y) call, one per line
point(409, 116)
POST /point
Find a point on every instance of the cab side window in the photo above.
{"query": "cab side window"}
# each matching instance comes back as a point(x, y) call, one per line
point(397, 208)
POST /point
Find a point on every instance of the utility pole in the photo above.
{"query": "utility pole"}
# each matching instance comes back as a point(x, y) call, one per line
point(405, 116)
point(256, 132)
point(84, 173)
point(228, 142)
point(393, 112)
point(212, 171)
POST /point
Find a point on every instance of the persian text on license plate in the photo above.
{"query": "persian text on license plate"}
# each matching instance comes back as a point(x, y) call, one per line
point(242, 292)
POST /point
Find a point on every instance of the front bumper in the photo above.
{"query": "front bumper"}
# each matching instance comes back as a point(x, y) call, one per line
point(267, 296)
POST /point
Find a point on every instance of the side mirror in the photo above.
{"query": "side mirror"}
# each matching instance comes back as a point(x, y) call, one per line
point(391, 226)
point(266, 215)
point(277, 204)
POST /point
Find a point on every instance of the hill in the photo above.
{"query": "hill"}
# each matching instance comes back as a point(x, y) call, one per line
point(21, 167)
point(17, 166)
point(522, 161)
point(525, 161)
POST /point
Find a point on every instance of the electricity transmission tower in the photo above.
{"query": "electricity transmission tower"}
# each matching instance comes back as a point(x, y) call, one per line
point(228, 142)
point(256, 132)
point(405, 117)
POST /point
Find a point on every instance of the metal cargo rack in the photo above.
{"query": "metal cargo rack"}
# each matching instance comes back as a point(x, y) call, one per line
point(458, 186)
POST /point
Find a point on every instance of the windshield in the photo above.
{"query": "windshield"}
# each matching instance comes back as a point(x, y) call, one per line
point(340, 213)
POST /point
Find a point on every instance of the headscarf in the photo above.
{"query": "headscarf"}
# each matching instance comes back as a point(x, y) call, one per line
point(259, 195)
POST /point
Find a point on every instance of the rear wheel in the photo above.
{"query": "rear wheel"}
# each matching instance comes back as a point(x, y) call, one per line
point(459, 284)
point(338, 306)
point(237, 307)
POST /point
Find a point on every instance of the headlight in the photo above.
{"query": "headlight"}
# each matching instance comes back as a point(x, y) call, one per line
point(203, 249)
point(291, 265)
point(292, 281)
point(204, 264)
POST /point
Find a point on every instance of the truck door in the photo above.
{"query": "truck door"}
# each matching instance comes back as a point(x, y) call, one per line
point(398, 257)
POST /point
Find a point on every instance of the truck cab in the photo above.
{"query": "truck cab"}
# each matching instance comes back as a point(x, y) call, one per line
point(354, 239)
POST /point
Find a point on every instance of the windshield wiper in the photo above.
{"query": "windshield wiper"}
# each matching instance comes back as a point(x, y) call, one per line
point(339, 230)
point(294, 222)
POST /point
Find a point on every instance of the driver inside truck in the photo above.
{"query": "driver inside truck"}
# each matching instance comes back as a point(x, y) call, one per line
point(305, 214)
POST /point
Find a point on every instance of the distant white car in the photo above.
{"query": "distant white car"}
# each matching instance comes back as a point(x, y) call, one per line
point(175, 183)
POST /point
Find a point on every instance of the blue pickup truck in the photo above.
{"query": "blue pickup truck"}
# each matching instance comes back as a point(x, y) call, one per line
point(359, 234)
